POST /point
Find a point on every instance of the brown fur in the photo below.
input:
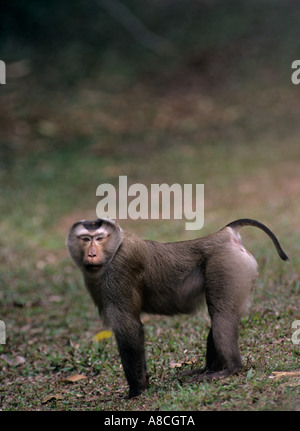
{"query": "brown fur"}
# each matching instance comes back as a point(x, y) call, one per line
point(126, 276)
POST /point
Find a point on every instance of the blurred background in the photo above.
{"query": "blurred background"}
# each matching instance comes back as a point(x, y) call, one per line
point(160, 91)
point(174, 91)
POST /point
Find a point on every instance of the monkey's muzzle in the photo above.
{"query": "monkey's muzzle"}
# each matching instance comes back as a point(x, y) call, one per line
point(91, 267)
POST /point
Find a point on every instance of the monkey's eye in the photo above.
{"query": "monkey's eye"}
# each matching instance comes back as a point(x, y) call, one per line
point(85, 238)
point(99, 238)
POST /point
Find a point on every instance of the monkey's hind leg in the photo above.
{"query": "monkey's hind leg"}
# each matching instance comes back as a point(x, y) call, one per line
point(222, 355)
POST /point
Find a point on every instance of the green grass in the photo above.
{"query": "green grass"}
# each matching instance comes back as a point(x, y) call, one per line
point(240, 139)
point(50, 318)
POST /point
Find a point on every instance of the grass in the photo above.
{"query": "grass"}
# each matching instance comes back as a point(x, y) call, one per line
point(240, 139)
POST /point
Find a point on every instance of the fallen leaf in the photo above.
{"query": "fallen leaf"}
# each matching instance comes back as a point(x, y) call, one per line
point(52, 397)
point(175, 364)
point(16, 361)
point(180, 364)
point(102, 335)
point(192, 361)
point(73, 379)
point(279, 374)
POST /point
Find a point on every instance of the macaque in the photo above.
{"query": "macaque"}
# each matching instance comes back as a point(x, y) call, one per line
point(126, 276)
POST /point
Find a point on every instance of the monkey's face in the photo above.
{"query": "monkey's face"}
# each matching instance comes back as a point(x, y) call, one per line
point(90, 243)
point(92, 246)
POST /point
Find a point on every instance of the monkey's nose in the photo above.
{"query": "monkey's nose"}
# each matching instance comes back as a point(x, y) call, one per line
point(92, 253)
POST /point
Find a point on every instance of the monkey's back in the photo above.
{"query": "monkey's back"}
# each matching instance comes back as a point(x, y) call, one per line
point(173, 277)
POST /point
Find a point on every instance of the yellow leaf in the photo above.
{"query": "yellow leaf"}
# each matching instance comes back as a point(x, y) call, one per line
point(52, 397)
point(175, 364)
point(192, 361)
point(102, 335)
point(74, 378)
point(278, 374)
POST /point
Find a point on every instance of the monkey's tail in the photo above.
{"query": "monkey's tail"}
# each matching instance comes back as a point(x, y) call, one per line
point(249, 222)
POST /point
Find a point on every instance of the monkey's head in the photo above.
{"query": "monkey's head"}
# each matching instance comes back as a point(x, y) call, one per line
point(92, 244)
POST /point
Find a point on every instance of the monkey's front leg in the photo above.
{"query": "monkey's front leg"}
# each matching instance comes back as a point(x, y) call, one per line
point(130, 339)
